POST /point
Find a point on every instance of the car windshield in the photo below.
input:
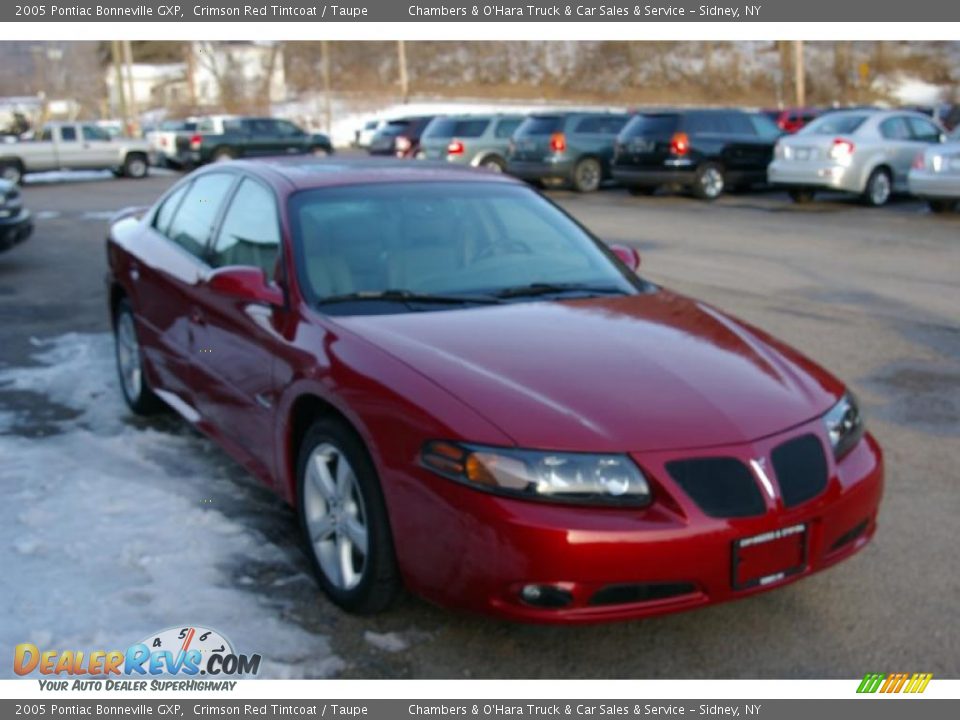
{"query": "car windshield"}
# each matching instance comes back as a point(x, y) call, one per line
point(835, 124)
point(452, 241)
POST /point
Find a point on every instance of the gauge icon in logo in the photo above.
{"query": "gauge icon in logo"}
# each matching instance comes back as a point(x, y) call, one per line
point(180, 640)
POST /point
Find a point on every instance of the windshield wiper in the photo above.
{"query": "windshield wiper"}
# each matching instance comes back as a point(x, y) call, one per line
point(545, 288)
point(410, 296)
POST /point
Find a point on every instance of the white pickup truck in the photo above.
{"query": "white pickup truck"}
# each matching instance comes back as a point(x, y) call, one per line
point(74, 146)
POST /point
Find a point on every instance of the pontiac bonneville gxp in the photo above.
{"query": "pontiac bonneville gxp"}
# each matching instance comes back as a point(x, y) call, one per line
point(464, 392)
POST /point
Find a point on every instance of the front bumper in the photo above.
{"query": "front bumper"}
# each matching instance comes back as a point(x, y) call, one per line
point(15, 229)
point(559, 169)
point(464, 548)
point(935, 186)
point(817, 174)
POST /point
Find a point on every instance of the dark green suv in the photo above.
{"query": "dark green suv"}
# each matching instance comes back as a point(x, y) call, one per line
point(218, 139)
point(572, 148)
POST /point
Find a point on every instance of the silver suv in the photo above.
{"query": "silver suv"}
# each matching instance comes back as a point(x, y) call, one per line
point(866, 152)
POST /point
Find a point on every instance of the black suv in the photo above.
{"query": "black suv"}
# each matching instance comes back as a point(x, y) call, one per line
point(707, 151)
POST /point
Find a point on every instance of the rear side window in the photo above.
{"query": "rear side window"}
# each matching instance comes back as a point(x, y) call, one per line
point(473, 128)
point(166, 212)
point(250, 233)
point(68, 133)
point(440, 128)
point(704, 123)
point(506, 128)
point(895, 128)
point(835, 125)
point(541, 125)
point(600, 125)
point(193, 222)
point(739, 124)
point(92, 132)
point(651, 125)
point(923, 130)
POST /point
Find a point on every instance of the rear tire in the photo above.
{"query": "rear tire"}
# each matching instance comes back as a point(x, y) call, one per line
point(493, 164)
point(11, 171)
point(344, 521)
point(941, 206)
point(801, 196)
point(587, 175)
point(879, 188)
point(709, 182)
point(133, 380)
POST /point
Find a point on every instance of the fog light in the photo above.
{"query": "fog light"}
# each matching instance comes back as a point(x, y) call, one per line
point(546, 596)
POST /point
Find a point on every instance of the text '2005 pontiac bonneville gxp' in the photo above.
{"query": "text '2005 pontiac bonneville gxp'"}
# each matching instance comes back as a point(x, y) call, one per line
point(462, 391)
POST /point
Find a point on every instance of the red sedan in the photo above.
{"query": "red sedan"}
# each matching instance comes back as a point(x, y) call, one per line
point(462, 391)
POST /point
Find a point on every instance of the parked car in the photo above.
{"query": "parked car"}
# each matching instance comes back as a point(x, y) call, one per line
point(868, 153)
point(706, 151)
point(792, 119)
point(16, 223)
point(935, 175)
point(163, 140)
point(237, 137)
point(461, 390)
point(401, 137)
point(572, 148)
point(74, 146)
point(366, 134)
point(475, 140)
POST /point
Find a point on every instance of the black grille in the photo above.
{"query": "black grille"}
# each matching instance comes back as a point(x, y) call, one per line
point(849, 536)
point(722, 487)
point(801, 468)
point(623, 594)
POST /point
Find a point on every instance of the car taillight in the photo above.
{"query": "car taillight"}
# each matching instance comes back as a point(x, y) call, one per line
point(195, 142)
point(402, 144)
point(841, 149)
point(919, 162)
point(558, 142)
point(679, 144)
point(455, 148)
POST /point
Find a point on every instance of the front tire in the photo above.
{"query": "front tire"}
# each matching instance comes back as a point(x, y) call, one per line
point(879, 188)
point(587, 175)
point(133, 381)
point(709, 182)
point(344, 521)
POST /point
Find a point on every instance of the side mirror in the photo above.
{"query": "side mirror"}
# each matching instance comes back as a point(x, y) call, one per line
point(245, 283)
point(628, 256)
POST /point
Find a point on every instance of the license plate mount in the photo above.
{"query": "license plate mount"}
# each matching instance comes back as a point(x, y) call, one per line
point(769, 557)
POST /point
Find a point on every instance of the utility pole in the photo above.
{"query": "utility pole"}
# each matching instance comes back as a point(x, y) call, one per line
point(118, 81)
point(799, 73)
point(327, 101)
point(402, 59)
point(128, 60)
point(188, 49)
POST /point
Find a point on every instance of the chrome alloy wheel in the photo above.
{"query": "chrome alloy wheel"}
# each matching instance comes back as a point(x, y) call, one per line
point(880, 189)
point(128, 357)
point(336, 517)
point(711, 180)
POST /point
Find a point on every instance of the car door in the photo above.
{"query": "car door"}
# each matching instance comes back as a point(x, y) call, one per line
point(900, 147)
point(98, 149)
point(288, 138)
point(259, 137)
point(165, 277)
point(70, 152)
point(234, 338)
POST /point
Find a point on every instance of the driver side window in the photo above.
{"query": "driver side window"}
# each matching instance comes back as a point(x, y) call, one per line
point(250, 232)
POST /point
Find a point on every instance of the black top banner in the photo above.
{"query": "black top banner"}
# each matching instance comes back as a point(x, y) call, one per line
point(509, 11)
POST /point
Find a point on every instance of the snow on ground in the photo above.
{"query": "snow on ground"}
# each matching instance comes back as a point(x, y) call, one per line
point(388, 642)
point(110, 530)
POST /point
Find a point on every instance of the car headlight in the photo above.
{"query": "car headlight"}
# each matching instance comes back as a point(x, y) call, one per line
point(558, 476)
point(844, 425)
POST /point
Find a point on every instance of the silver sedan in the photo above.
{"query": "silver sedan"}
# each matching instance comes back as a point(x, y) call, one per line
point(935, 175)
point(865, 152)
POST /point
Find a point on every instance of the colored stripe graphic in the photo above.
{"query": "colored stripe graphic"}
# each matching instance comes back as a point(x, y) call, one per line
point(894, 682)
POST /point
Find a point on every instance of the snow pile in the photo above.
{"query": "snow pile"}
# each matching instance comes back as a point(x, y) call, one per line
point(108, 531)
point(390, 642)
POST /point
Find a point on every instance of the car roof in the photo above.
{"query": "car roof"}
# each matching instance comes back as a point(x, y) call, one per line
point(304, 172)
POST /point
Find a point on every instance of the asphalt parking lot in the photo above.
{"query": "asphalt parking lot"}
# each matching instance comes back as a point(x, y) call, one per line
point(872, 294)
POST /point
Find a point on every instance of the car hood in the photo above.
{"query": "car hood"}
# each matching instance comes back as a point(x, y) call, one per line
point(646, 372)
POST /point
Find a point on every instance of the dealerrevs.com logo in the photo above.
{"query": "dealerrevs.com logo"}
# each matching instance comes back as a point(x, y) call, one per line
point(184, 652)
